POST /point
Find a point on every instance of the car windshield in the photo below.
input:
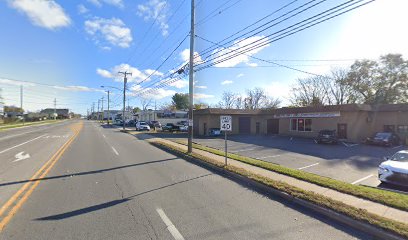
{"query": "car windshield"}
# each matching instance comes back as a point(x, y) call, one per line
point(142, 123)
point(382, 135)
point(400, 157)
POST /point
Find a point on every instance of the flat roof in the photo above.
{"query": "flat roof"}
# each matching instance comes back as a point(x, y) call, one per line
point(288, 110)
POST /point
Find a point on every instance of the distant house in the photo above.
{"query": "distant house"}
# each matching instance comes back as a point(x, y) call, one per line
point(62, 113)
point(13, 112)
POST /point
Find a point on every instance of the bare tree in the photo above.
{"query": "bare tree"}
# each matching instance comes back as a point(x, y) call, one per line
point(311, 91)
point(239, 102)
point(339, 92)
point(228, 100)
point(145, 102)
point(271, 103)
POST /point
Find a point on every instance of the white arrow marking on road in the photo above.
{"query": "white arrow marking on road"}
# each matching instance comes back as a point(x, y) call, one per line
point(21, 156)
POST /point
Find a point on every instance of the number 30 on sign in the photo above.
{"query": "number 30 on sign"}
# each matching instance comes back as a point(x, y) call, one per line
point(226, 123)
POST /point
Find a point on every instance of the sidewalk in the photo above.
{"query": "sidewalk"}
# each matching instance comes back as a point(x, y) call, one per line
point(371, 207)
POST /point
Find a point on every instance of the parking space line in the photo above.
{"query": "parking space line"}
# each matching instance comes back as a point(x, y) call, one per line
point(397, 147)
point(245, 150)
point(350, 145)
point(18, 145)
point(170, 226)
point(104, 135)
point(362, 179)
point(308, 166)
point(270, 156)
point(114, 150)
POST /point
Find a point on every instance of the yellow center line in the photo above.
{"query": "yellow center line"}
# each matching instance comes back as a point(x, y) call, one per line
point(18, 201)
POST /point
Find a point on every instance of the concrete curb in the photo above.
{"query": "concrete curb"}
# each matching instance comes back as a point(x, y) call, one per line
point(260, 187)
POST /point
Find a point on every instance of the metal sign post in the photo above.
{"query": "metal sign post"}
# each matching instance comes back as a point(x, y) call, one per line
point(226, 125)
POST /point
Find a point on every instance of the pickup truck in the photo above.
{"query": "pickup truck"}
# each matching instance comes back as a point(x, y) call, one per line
point(171, 127)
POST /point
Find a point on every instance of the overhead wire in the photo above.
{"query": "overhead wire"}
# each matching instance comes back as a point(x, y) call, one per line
point(265, 41)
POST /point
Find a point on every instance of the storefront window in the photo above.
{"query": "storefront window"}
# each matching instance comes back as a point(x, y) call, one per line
point(308, 125)
point(403, 128)
point(301, 125)
point(293, 126)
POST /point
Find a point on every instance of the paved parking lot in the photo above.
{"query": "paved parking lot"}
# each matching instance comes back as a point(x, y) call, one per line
point(353, 163)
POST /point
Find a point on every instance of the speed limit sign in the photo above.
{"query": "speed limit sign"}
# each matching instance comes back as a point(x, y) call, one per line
point(226, 123)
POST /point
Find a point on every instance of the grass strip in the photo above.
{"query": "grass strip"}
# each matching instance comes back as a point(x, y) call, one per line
point(392, 199)
point(340, 207)
point(9, 126)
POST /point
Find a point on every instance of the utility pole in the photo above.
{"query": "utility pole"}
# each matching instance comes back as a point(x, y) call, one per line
point(21, 102)
point(55, 109)
point(124, 95)
point(191, 82)
point(108, 108)
point(99, 101)
point(103, 113)
point(93, 110)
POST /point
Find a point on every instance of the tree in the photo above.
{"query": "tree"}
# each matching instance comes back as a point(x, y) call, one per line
point(228, 100)
point(145, 102)
point(311, 91)
point(339, 91)
point(180, 101)
point(136, 109)
point(258, 99)
point(385, 81)
point(198, 106)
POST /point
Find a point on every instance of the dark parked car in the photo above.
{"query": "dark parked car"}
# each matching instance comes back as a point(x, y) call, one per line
point(155, 124)
point(327, 136)
point(171, 127)
point(214, 132)
point(384, 139)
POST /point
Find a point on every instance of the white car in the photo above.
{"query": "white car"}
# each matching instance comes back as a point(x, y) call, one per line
point(140, 126)
point(395, 169)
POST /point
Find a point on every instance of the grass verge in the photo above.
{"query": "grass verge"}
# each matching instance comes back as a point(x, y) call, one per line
point(353, 212)
point(392, 199)
point(9, 126)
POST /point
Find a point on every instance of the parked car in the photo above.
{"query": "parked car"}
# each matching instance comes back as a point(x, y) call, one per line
point(142, 126)
point(155, 124)
point(171, 127)
point(131, 123)
point(183, 128)
point(384, 139)
point(184, 123)
point(214, 132)
point(327, 136)
point(395, 169)
point(118, 122)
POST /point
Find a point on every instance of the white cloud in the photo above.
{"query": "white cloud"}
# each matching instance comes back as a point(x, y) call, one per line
point(179, 84)
point(202, 96)
point(16, 82)
point(252, 64)
point(226, 82)
point(78, 89)
point(137, 75)
point(240, 75)
point(201, 87)
point(82, 9)
point(279, 90)
point(46, 14)
point(112, 31)
point(104, 73)
point(155, 10)
point(238, 46)
point(98, 3)
point(185, 56)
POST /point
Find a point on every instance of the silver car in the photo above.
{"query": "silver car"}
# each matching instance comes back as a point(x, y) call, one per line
point(395, 169)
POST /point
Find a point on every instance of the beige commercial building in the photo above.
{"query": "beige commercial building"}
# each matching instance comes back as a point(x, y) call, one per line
point(353, 122)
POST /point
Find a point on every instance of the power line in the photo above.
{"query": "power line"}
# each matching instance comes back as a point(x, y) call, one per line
point(265, 41)
point(215, 12)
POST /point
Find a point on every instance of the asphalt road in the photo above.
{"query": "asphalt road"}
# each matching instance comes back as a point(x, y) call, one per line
point(110, 185)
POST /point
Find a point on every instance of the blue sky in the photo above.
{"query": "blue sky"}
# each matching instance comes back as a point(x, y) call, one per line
point(68, 49)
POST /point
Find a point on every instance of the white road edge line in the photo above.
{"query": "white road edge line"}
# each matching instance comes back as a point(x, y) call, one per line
point(5, 150)
point(116, 152)
point(308, 166)
point(362, 179)
point(271, 156)
point(170, 226)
